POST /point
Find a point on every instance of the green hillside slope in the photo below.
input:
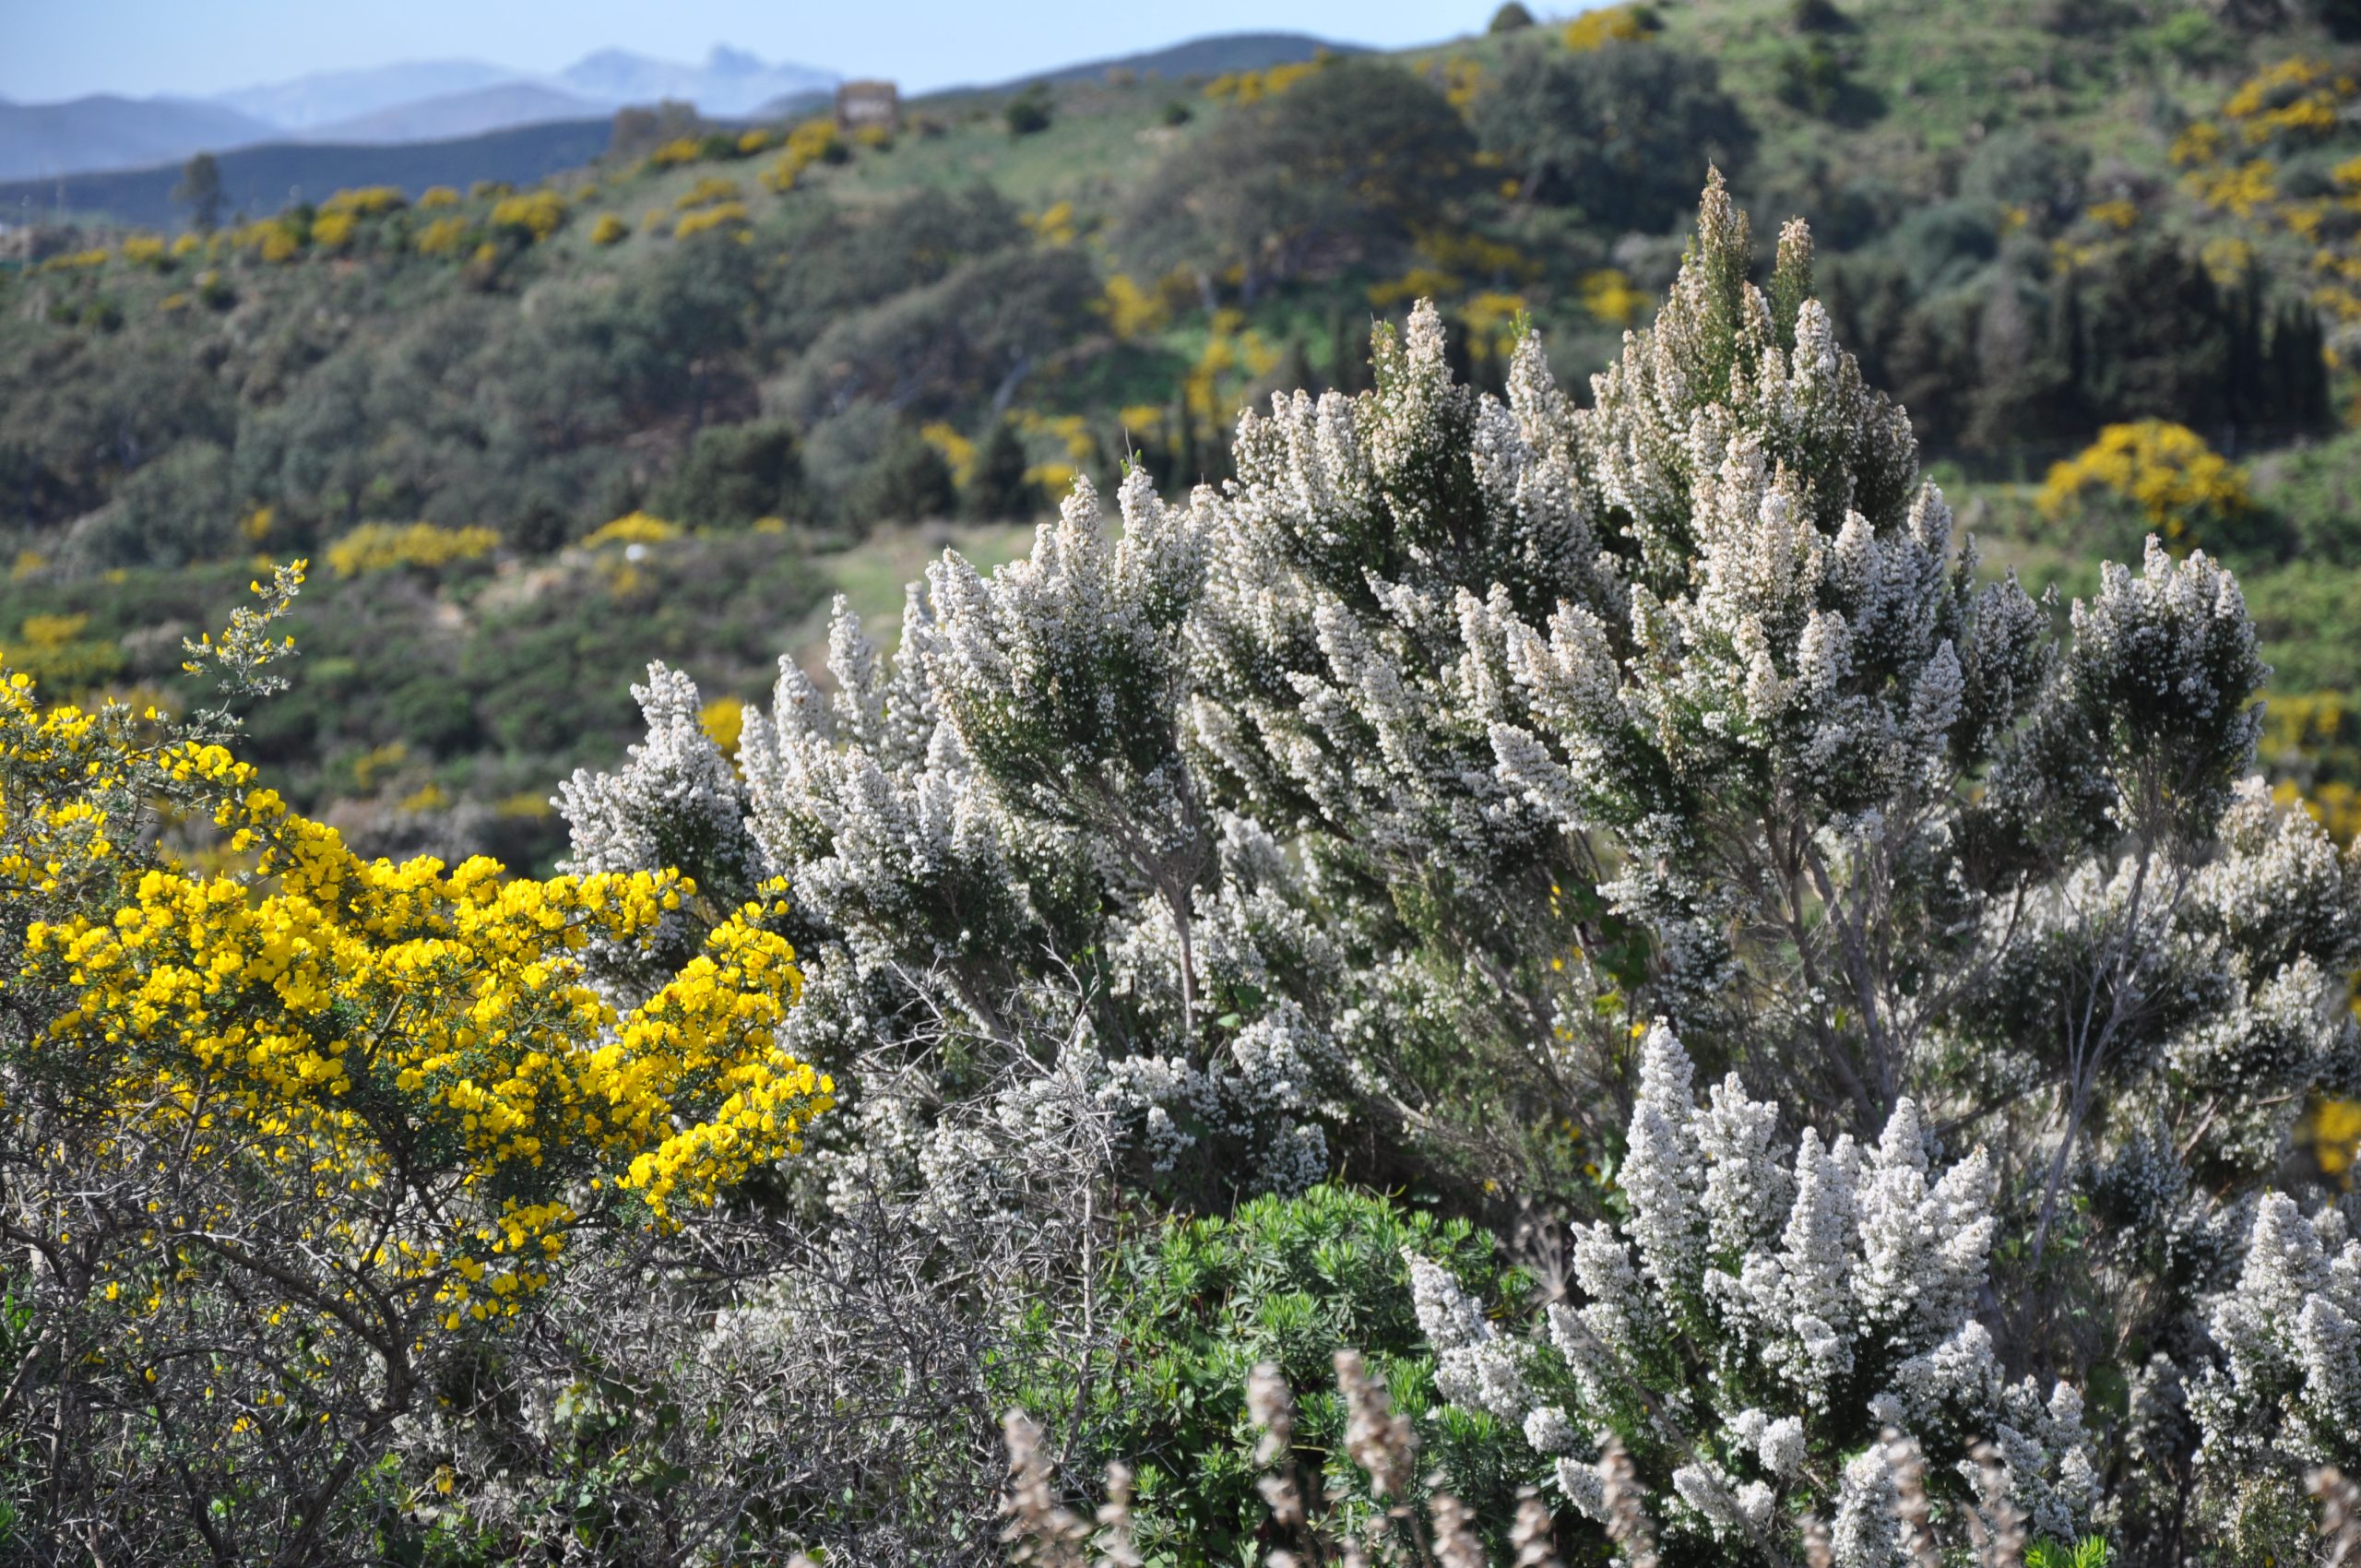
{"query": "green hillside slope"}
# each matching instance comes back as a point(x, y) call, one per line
point(2034, 220)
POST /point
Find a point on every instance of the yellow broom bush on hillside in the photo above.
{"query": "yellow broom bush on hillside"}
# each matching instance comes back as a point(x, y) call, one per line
point(2179, 486)
point(287, 1128)
point(384, 547)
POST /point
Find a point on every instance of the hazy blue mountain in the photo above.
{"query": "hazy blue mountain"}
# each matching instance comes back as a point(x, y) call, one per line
point(108, 131)
point(324, 97)
point(728, 82)
point(460, 114)
point(260, 180)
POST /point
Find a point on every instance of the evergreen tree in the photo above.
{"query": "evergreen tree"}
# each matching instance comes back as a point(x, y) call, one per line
point(997, 487)
point(200, 191)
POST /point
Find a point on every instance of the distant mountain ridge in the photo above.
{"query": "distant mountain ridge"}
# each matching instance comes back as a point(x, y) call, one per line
point(411, 101)
point(729, 81)
point(257, 180)
point(323, 98)
point(105, 131)
point(119, 156)
point(468, 113)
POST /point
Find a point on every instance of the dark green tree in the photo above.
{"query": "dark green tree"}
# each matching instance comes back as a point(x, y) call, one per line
point(997, 488)
point(1622, 134)
point(906, 483)
point(736, 474)
point(200, 192)
point(1355, 157)
point(1029, 112)
point(1510, 17)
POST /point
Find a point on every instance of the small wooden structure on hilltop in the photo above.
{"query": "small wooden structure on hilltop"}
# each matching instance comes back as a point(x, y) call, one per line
point(865, 103)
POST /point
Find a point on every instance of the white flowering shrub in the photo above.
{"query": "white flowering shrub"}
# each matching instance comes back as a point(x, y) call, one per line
point(1351, 817)
point(1756, 1320)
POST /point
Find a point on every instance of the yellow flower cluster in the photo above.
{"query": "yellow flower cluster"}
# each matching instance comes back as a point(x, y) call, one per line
point(1131, 311)
point(366, 201)
point(709, 190)
point(275, 240)
point(705, 219)
point(2296, 97)
point(1610, 298)
point(2166, 470)
point(724, 721)
point(1610, 24)
point(958, 452)
point(2300, 730)
point(383, 547)
point(1055, 226)
point(633, 528)
point(2244, 190)
point(2118, 215)
point(389, 1092)
point(813, 141)
point(444, 236)
point(2333, 1131)
point(2298, 100)
point(1254, 87)
point(535, 214)
point(1232, 349)
point(397, 1077)
point(53, 648)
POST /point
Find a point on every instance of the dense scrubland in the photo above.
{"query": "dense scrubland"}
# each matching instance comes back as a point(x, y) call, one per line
point(1693, 904)
point(2062, 219)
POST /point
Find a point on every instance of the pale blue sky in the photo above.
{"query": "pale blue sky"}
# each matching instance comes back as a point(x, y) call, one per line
point(54, 48)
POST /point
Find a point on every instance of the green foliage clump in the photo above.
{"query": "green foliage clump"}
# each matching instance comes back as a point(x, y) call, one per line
point(1816, 76)
point(908, 481)
point(1030, 111)
point(998, 487)
point(1359, 155)
point(1197, 1304)
point(735, 475)
point(1622, 132)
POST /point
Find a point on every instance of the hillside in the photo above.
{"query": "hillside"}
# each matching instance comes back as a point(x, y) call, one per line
point(1198, 56)
point(2062, 218)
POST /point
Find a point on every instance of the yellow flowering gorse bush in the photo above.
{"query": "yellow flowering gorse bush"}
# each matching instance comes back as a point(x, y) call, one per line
point(535, 215)
point(2177, 482)
point(381, 547)
point(281, 1132)
point(633, 528)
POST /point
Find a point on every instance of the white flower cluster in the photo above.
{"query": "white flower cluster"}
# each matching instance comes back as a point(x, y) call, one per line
point(1780, 705)
point(1365, 558)
point(674, 804)
point(2287, 1395)
point(956, 821)
point(1755, 1319)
